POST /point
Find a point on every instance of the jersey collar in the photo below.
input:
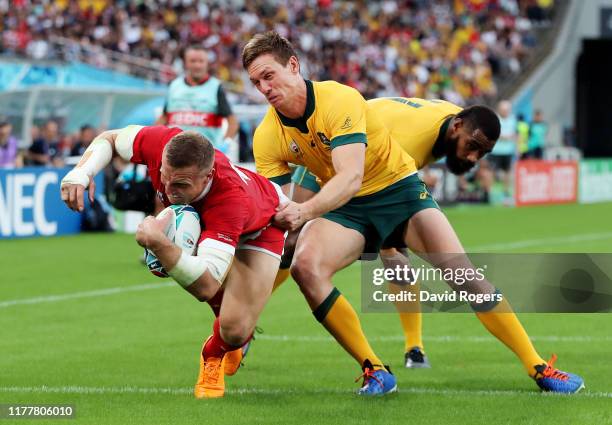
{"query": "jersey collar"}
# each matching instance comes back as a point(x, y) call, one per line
point(438, 150)
point(300, 123)
point(205, 191)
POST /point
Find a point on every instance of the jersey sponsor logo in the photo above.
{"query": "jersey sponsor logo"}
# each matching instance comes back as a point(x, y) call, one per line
point(224, 237)
point(406, 102)
point(324, 139)
point(295, 148)
point(347, 124)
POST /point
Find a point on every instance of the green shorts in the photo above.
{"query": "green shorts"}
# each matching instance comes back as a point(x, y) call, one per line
point(381, 217)
point(304, 178)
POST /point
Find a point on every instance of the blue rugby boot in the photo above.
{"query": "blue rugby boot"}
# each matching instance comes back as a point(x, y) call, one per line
point(376, 382)
point(554, 380)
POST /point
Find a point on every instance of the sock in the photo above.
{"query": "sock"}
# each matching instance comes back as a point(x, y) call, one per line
point(505, 326)
point(410, 316)
point(281, 277)
point(341, 320)
point(216, 347)
point(215, 302)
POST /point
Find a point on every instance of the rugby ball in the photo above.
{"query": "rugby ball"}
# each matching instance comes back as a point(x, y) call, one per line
point(183, 229)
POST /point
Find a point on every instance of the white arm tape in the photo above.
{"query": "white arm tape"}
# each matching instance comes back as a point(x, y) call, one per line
point(100, 153)
point(189, 268)
point(124, 143)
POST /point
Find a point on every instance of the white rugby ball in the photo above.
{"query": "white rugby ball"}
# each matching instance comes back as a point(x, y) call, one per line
point(183, 229)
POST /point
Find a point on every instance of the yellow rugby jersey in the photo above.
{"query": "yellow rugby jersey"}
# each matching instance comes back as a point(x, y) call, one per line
point(335, 115)
point(416, 124)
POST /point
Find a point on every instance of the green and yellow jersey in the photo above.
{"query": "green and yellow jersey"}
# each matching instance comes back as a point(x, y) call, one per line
point(416, 124)
point(335, 115)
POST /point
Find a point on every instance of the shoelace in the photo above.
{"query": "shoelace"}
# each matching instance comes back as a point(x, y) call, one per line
point(551, 372)
point(212, 370)
point(367, 375)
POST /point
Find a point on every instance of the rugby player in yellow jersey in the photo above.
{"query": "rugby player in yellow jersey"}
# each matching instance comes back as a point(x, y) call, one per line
point(427, 130)
point(369, 196)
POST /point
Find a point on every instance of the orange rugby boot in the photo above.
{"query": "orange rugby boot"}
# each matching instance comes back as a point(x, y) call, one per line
point(211, 380)
point(232, 361)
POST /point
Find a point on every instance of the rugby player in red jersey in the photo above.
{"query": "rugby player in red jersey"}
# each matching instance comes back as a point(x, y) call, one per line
point(238, 251)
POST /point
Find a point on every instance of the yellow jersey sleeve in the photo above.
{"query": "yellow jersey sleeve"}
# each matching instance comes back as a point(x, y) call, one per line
point(345, 116)
point(270, 158)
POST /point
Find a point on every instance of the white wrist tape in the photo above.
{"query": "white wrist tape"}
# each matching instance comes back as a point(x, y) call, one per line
point(101, 155)
point(189, 268)
point(97, 156)
point(76, 176)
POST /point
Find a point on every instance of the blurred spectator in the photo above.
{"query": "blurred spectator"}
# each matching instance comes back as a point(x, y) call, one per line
point(522, 134)
point(9, 156)
point(506, 147)
point(196, 101)
point(447, 49)
point(84, 139)
point(45, 150)
point(537, 136)
point(538, 11)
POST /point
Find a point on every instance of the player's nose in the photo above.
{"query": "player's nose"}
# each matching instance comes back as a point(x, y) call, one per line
point(472, 157)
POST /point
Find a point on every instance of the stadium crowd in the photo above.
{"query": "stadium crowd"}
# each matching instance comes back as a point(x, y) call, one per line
point(450, 49)
point(50, 146)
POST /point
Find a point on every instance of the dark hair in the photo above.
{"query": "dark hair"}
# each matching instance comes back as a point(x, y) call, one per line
point(190, 148)
point(483, 118)
point(269, 42)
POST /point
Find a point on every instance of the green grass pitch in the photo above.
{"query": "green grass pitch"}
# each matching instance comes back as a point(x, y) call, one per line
point(83, 323)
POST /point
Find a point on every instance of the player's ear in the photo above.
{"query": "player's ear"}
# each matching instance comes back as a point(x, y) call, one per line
point(294, 64)
point(457, 123)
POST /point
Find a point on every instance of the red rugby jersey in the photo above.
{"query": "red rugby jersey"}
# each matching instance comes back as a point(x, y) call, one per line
point(236, 203)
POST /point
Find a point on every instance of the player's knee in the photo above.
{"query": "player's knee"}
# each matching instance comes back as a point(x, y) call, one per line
point(234, 332)
point(305, 270)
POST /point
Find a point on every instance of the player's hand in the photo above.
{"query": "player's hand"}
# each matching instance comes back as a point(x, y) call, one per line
point(290, 216)
point(151, 232)
point(73, 187)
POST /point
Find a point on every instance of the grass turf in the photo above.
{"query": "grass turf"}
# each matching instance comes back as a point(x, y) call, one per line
point(131, 356)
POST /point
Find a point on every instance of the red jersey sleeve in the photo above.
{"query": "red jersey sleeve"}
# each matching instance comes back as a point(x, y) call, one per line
point(149, 144)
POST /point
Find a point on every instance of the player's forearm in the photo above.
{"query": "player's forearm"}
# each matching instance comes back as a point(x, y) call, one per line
point(166, 252)
point(97, 156)
point(335, 193)
point(232, 126)
point(202, 273)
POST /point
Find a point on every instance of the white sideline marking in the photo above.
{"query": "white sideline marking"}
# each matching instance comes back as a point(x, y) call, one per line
point(543, 241)
point(440, 338)
point(85, 294)
point(283, 391)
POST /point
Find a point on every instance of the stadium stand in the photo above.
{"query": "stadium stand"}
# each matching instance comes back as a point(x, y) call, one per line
point(449, 49)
